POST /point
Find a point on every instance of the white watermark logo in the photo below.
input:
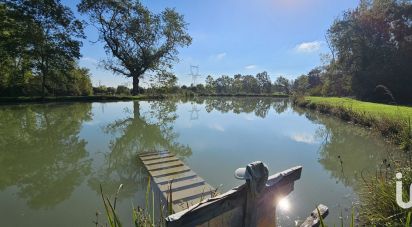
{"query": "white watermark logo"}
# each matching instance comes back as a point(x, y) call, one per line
point(399, 199)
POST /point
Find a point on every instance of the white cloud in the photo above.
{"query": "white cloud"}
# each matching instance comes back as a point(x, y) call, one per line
point(221, 56)
point(89, 59)
point(308, 47)
point(250, 66)
point(249, 117)
point(303, 138)
point(217, 127)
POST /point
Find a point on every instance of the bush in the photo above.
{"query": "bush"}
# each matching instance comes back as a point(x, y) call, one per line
point(122, 90)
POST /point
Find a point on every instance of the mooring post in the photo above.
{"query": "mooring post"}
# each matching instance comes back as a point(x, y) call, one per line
point(250, 204)
point(317, 214)
point(259, 211)
point(250, 215)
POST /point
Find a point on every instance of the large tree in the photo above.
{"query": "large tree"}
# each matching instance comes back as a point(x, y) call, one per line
point(46, 33)
point(373, 45)
point(138, 39)
point(264, 82)
point(282, 84)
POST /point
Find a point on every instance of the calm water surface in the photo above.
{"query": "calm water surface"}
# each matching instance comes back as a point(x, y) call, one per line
point(53, 157)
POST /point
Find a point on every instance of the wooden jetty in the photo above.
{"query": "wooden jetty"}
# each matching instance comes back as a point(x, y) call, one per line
point(186, 186)
point(195, 202)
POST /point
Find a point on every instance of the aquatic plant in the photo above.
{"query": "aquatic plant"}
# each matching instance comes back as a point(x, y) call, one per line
point(141, 216)
point(378, 198)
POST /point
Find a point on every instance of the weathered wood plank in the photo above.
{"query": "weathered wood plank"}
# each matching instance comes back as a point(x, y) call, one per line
point(182, 205)
point(152, 153)
point(314, 219)
point(162, 160)
point(166, 165)
point(156, 156)
point(208, 209)
point(171, 171)
point(187, 187)
point(175, 177)
point(180, 185)
point(191, 193)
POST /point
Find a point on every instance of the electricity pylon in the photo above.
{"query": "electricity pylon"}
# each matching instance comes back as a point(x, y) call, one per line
point(194, 72)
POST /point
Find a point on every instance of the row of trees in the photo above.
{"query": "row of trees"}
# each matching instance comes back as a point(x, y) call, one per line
point(371, 54)
point(245, 84)
point(39, 46)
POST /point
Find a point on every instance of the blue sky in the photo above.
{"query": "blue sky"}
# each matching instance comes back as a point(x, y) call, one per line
point(282, 37)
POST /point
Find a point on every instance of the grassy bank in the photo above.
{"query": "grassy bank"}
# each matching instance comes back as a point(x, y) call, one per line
point(393, 122)
point(92, 98)
point(374, 109)
point(378, 205)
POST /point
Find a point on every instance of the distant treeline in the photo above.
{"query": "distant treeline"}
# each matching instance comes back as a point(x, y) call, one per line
point(243, 84)
point(371, 55)
point(224, 85)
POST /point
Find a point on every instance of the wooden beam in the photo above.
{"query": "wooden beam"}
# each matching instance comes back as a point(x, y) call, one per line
point(171, 171)
point(314, 219)
point(277, 184)
point(166, 165)
point(152, 153)
point(158, 161)
point(156, 157)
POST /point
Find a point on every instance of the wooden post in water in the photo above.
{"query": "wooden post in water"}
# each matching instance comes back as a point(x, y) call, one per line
point(321, 211)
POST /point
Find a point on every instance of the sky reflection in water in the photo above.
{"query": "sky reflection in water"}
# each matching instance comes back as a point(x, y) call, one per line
point(53, 157)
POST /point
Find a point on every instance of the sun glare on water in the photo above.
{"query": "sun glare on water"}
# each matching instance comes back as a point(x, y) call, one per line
point(284, 204)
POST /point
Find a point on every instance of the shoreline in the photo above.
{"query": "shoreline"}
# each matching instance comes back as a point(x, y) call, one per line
point(388, 120)
point(114, 98)
point(244, 95)
point(92, 98)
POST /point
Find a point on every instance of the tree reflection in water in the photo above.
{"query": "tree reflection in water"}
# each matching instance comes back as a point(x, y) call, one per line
point(41, 152)
point(141, 131)
point(347, 151)
point(259, 106)
point(153, 129)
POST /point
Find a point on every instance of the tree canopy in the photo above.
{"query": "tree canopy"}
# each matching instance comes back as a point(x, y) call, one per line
point(39, 46)
point(137, 39)
point(371, 49)
point(246, 84)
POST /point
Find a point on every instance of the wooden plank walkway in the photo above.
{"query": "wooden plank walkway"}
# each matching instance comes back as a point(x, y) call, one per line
point(187, 187)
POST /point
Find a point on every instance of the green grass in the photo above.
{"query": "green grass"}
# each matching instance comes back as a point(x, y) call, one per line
point(378, 198)
point(374, 109)
point(391, 121)
point(378, 206)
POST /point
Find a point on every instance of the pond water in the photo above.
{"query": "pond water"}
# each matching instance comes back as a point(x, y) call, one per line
point(53, 157)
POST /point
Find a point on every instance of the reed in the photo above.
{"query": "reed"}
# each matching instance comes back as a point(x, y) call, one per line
point(140, 216)
point(378, 195)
